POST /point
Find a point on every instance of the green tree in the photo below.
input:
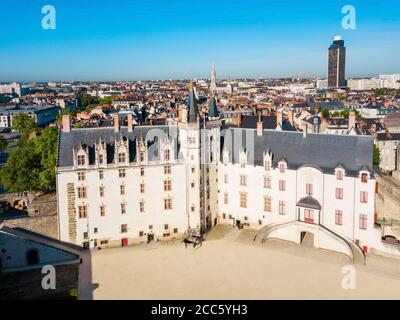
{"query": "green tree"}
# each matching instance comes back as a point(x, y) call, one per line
point(379, 92)
point(32, 167)
point(21, 172)
point(325, 113)
point(377, 156)
point(24, 124)
point(3, 144)
point(46, 148)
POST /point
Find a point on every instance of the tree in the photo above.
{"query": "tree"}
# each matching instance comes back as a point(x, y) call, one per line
point(377, 157)
point(24, 124)
point(21, 172)
point(32, 167)
point(3, 144)
point(46, 148)
point(325, 113)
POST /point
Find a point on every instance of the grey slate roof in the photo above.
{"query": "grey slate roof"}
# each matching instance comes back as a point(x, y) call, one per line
point(69, 141)
point(212, 109)
point(192, 105)
point(323, 151)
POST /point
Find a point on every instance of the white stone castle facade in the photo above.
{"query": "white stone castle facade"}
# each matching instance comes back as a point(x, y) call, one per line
point(125, 185)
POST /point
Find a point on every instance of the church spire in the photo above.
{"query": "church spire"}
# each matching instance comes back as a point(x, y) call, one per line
point(213, 85)
point(213, 112)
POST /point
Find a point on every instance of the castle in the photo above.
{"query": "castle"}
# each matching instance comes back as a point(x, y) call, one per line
point(124, 185)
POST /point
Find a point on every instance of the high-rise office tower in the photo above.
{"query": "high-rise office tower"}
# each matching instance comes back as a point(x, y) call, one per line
point(337, 64)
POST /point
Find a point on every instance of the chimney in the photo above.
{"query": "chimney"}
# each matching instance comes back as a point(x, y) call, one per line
point(352, 120)
point(279, 119)
point(66, 123)
point(130, 122)
point(116, 122)
point(259, 126)
point(239, 119)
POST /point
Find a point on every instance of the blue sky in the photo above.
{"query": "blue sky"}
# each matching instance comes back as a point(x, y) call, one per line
point(131, 40)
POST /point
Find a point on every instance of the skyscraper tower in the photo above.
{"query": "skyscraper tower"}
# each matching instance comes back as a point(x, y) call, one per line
point(213, 85)
point(337, 64)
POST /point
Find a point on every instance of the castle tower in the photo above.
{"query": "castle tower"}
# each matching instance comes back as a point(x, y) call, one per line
point(211, 152)
point(189, 138)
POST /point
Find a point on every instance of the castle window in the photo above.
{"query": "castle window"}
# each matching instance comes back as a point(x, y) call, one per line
point(267, 204)
point(81, 176)
point(192, 140)
point(243, 180)
point(339, 193)
point(122, 173)
point(363, 197)
point(82, 194)
point(101, 174)
point(101, 159)
point(142, 172)
point(142, 188)
point(141, 206)
point(123, 208)
point(226, 198)
point(121, 157)
point(141, 156)
point(101, 189)
point(309, 189)
point(167, 170)
point(167, 204)
point(167, 185)
point(243, 200)
point(167, 155)
point(82, 211)
point(267, 165)
point(363, 221)
point(282, 168)
point(122, 189)
point(102, 211)
point(364, 178)
point(267, 182)
point(81, 160)
point(282, 185)
point(309, 215)
point(282, 207)
point(124, 228)
point(339, 175)
point(225, 178)
point(339, 217)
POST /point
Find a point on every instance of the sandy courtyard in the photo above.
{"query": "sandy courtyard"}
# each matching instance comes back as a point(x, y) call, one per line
point(230, 266)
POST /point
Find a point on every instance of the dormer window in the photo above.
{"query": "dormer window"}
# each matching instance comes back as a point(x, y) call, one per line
point(141, 156)
point(121, 157)
point(339, 174)
point(282, 168)
point(267, 165)
point(81, 160)
point(364, 177)
point(167, 155)
point(101, 159)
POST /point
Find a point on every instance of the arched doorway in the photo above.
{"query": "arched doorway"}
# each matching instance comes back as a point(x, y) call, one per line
point(307, 239)
point(32, 257)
